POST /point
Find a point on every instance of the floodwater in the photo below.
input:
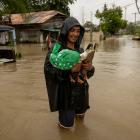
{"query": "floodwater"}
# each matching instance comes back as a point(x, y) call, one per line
point(114, 96)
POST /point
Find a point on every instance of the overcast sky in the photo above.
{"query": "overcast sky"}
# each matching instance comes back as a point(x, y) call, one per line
point(82, 9)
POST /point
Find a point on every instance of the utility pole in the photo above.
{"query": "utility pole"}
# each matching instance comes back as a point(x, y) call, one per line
point(83, 15)
point(91, 15)
point(125, 8)
point(135, 14)
point(125, 12)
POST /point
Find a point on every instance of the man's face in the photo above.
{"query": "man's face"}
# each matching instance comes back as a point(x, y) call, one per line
point(73, 34)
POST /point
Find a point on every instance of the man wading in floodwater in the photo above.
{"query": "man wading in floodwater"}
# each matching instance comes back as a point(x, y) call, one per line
point(69, 98)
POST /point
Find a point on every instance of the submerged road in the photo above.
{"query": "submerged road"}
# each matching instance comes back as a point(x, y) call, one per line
point(114, 96)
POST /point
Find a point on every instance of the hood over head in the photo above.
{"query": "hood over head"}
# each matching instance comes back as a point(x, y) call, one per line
point(67, 25)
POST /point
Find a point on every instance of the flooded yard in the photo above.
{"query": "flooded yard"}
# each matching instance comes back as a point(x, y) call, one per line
point(114, 96)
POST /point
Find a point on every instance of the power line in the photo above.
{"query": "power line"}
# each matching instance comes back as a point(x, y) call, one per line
point(125, 7)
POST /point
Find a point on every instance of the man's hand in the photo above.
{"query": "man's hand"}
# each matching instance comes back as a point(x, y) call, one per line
point(76, 68)
point(86, 66)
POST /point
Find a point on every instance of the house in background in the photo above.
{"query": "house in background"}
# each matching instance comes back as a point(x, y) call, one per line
point(35, 26)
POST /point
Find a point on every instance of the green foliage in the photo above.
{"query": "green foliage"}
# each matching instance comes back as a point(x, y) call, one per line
point(18, 55)
point(14, 6)
point(58, 5)
point(111, 19)
point(22, 6)
point(130, 29)
point(89, 25)
point(137, 31)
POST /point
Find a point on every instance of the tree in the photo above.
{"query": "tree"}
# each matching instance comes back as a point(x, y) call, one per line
point(89, 25)
point(59, 5)
point(14, 6)
point(111, 19)
point(136, 1)
point(130, 29)
point(22, 6)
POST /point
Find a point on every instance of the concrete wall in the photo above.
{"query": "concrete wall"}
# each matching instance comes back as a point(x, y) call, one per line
point(96, 38)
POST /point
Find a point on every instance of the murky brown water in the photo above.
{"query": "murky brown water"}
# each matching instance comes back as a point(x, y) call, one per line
point(114, 96)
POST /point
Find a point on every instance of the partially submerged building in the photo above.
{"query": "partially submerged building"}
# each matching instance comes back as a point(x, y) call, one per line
point(7, 34)
point(34, 27)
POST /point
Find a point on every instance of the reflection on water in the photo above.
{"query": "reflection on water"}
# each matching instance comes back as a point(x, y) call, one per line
point(81, 132)
point(119, 55)
point(115, 104)
point(10, 67)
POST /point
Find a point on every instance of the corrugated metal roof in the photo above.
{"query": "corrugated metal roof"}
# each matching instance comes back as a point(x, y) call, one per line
point(5, 28)
point(34, 17)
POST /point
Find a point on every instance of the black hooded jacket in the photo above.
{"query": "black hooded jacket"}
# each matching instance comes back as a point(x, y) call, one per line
point(62, 94)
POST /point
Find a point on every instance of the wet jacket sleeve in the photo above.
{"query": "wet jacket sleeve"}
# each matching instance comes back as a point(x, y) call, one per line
point(56, 83)
point(53, 71)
